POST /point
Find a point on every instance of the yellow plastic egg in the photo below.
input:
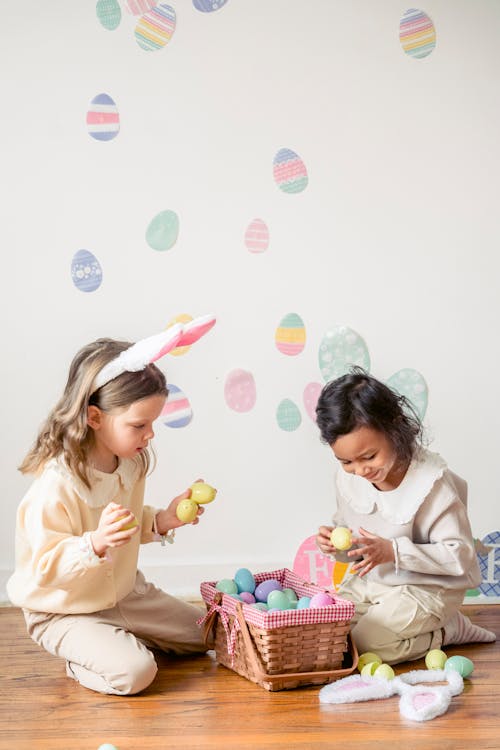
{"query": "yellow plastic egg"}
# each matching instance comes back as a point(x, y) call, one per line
point(341, 538)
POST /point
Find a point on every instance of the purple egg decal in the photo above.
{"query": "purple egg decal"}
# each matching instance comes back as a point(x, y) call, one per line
point(177, 411)
point(208, 6)
point(86, 271)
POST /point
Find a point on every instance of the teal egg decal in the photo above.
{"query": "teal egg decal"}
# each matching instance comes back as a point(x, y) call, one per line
point(108, 13)
point(410, 383)
point(342, 348)
point(163, 231)
point(288, 415)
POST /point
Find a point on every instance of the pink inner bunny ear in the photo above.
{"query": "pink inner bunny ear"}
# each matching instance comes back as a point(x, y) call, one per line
point(195, 329)
point(169, 340)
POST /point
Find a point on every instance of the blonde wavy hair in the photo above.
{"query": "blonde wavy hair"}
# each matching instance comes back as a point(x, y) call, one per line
point(65, 433)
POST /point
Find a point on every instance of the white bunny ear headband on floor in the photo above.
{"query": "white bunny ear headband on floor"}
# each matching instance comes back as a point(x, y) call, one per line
point(418, 702)
point(146, 351)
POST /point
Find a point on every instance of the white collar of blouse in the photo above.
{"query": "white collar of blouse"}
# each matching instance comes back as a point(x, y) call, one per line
point(104, 488)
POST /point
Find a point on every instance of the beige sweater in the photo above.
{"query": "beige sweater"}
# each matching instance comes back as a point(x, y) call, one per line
point(57, 570)
point(425, 518)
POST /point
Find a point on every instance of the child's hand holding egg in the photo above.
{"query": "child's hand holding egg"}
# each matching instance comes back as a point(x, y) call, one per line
point(201, 493)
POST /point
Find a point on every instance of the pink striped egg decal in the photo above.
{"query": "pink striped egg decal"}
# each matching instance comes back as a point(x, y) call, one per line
point(257, 236)
point(156, 27)
point(240, 392)
point(290, 337)
point(290, 173)
point(138, 7)
point(103, 120)
point(417, 33)
point(310, 398)
point(177, 411)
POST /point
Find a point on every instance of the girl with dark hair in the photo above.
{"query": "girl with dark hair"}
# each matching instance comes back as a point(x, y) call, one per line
point(413, 553)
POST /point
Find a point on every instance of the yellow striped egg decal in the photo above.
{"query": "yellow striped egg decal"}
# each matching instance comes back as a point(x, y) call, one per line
point(417, 33)
point(257, 236)
point(290, 335)
point(155, 27)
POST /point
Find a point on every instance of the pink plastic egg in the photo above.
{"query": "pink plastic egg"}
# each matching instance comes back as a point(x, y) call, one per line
point(247, 597)
point(320, 600)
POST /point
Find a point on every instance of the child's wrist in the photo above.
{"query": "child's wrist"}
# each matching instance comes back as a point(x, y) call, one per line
point(99, 549)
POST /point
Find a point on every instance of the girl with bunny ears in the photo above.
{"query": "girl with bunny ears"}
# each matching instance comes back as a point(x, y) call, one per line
point(81, 522)
point(413, 550)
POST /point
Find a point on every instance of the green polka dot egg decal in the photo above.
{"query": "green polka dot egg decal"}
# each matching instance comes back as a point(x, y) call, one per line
point(342, 348)
point(163, 231)
point(288, 415)
point(411, 384)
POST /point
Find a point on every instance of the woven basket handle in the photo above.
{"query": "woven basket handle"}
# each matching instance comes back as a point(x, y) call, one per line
point(331, 673)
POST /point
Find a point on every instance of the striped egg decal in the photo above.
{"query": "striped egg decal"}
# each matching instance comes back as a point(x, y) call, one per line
point(290, 336)
point(411, 384)
point(417, 33)
point(310, 398)
point(103, 120)
point(240, 392)
point(290, 173)
point(163, 230)
point(257, 236)
point(177, 411)
point(342, 348)
point(86, 271)
point(138, 7)
point(155, 27)
point(108, 13)
point(208, 6)
point(288, 415)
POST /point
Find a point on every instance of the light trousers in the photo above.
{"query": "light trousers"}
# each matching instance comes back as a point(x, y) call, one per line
point(399, 623)
point(108, 651)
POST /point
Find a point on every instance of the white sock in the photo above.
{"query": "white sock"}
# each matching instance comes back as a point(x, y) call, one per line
point(461, 630)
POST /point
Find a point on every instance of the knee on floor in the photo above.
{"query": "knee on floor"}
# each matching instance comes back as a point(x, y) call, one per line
point(138, 673)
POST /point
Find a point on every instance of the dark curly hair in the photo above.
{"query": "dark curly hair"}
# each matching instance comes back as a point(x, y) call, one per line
point(360, 400)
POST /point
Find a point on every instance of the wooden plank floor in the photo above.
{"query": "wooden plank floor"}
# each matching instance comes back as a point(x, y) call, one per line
point(194, 703)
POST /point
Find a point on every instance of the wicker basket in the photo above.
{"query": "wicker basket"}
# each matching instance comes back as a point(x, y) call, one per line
point(281, 650)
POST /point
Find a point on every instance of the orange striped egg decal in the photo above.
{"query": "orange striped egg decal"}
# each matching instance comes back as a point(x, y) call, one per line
point(310, 397)
point(290, 335)
point(240, 392)
point(417, 33)
point(177, 411)
point(257, 236)
point(155, 27)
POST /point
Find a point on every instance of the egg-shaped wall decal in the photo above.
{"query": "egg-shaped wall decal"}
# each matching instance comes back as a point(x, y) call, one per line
point(342, 348)
point(103, 120)
point(310, 397)
point(411, 384)
point(288, 415)
point(240, 391)
point(156, 27)
point(181, 318)
point(163, 230)
point(86, 271)
point(108, 13)
point(177, 411)
point(257, 236)
point(290, 336)
point(138, 7)
point(209, 6)
point(417, 33)
point(290, 173)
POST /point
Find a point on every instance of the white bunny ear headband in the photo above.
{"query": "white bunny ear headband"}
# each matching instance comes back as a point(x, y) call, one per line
point(146, 351)
point(418, 702)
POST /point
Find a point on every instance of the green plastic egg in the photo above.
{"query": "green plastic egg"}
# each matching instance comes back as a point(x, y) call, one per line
point(227, 586)
point(460, 664)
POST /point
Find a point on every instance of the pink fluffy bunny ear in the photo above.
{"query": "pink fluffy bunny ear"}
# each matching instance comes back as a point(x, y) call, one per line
point(151, 349)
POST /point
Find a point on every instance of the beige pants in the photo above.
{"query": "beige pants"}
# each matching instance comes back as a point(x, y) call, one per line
point(399, 623)
point(107, 651)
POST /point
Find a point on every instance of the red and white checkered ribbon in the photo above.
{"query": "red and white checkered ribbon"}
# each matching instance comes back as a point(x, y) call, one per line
point(231, 633)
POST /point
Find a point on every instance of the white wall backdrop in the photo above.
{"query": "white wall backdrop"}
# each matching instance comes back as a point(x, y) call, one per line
point(396, 236)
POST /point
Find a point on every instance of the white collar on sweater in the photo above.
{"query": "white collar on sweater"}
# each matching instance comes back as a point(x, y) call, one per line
point(103, 487)
point(400, 505)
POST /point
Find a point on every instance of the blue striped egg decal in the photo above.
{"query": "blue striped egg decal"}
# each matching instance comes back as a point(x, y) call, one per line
point(240, 392)
point(108, 13)
point(86, 271)
point(208, 6)
point(417, 33)
point(103, 120)
point(288, 415)
point(290, 173)
point(163, 230)
point(177, 411)
point(156, 27)
point(411, 384)
point(342, 348)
